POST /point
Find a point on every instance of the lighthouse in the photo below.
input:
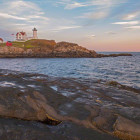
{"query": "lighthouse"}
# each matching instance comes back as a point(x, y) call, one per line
point(35, 33)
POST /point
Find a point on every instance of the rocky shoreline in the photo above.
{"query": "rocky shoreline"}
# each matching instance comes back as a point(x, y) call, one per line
point(49, 49)
point(38, 107)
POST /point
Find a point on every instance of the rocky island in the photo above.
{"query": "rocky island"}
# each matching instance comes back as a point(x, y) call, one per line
point(39, 107)
point(38, 48)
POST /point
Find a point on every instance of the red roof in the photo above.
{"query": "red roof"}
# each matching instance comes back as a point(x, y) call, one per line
point(23, 33)
point(1, 39)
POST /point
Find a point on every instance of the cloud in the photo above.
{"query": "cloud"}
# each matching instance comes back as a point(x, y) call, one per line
point(95, 15)
point(110, 33)
point(74, 5)
point(68, 4)
point(133, 27)
point(102, 8)
point(20, 6)
point(71, 4)
point(8, 16)
point(15, 13)
point(16, 17)
point(104, 2)
point(37, 17)
point(131, 16)
point(93, 35)
point(60, 28)
point(126, 23)
point(20, 24)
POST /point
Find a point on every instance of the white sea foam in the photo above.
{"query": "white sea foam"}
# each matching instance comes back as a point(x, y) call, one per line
point(7, 84)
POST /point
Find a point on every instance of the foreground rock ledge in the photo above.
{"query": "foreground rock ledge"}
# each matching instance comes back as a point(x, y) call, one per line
point(49, 49)
point(39, 107)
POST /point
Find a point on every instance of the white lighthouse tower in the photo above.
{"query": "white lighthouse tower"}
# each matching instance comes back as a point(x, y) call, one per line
point(35, 33)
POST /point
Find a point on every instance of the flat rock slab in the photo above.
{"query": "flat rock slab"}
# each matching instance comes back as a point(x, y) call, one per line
point(13, 129)
point(61, 108)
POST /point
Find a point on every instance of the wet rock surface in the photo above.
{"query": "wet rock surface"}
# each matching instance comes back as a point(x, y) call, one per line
point(35, 106)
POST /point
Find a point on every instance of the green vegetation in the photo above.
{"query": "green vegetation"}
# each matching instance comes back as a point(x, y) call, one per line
point(2, 44)
point(18, 44)
point(32, 43)
point(27, 44)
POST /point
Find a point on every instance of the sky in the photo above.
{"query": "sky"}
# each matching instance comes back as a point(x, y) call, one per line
point(100, 25)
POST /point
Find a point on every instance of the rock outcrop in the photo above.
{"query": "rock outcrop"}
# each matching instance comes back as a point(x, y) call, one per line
point(34, 106)
point(49, 48)
point(64, 49)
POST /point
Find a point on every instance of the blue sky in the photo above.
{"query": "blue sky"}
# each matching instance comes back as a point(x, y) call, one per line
point(102, 25)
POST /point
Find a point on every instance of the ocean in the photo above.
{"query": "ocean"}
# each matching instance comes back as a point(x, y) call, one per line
point(123, 69)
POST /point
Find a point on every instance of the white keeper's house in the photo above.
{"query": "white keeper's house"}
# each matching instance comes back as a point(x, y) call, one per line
point(22, 36)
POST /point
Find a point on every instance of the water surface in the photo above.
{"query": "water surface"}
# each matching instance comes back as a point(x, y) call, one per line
point(125, 69)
